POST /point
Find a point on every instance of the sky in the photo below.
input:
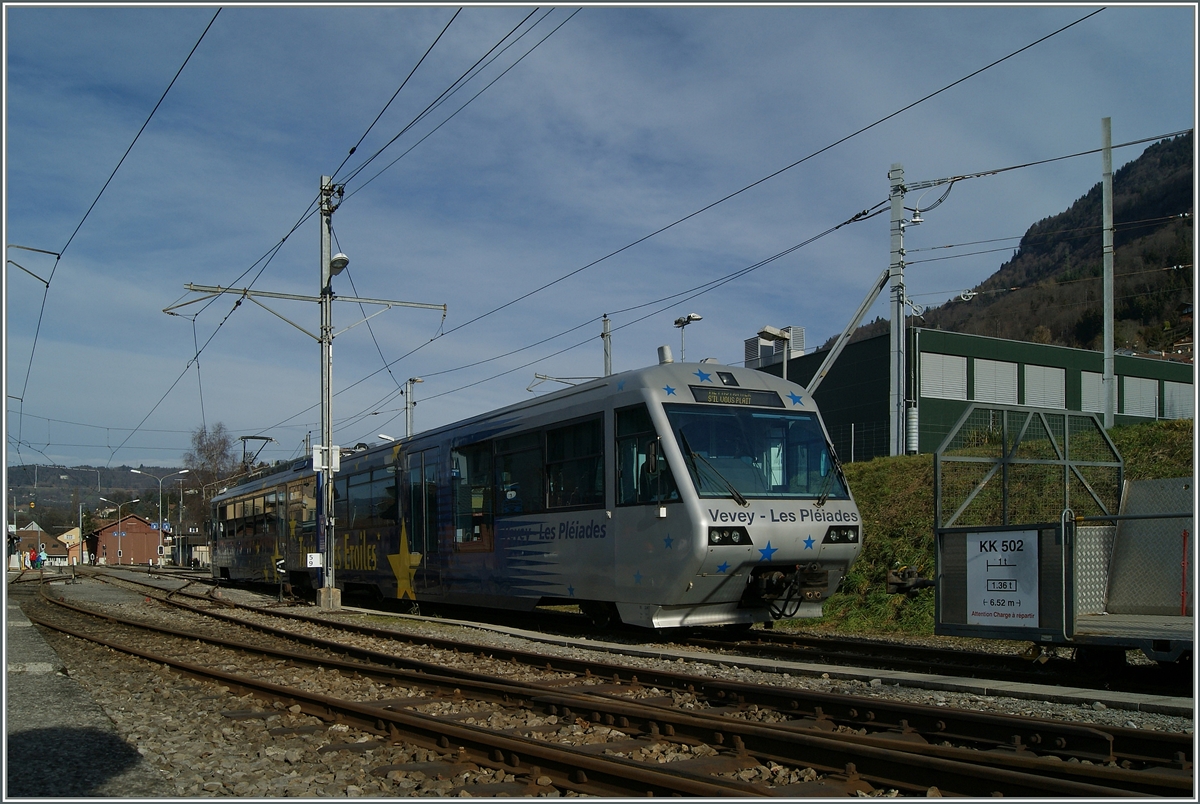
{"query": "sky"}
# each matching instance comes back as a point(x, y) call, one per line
point(599, 161)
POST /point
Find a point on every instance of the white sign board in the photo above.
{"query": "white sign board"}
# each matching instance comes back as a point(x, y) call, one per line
point(1002, 578)
point(316, 560)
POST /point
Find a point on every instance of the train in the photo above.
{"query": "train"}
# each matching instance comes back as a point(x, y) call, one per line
point(674, 495)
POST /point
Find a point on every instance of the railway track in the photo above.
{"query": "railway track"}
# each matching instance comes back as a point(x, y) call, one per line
point(831, 744)
point(1034, 668)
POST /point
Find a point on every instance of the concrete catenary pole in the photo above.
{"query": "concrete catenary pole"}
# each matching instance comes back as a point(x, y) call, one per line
point(1110, 378)
point(899, 359)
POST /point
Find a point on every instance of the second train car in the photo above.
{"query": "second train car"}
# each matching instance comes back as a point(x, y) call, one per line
point(682, 494)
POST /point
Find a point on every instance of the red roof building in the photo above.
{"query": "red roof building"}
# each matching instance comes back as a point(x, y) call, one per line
point(131, 540)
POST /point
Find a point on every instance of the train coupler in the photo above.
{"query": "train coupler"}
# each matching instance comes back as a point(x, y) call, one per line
point(906, 580)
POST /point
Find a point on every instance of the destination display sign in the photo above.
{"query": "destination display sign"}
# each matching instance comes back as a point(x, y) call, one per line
point(735, 396)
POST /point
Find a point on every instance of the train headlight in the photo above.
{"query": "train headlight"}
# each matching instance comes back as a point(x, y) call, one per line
point(841, 534)
point(729, 535)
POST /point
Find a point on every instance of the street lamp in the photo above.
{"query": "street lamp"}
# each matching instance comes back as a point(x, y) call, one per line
point(177, 549)
point(160, 522)
point(118, 528)
point(776, 334)
point(682, 322)
point(409, 404)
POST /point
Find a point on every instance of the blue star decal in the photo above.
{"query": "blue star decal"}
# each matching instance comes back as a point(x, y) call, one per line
point(621, 385)
point(796, 400)
point(670, 391)
point(637, 577)
point(703, 377)
point(571, 591)
point(808, 543)
point(767, 552)
point(667, 542)
point(723, 568)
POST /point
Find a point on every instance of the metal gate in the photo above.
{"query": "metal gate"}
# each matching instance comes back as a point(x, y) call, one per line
point(1003, 479)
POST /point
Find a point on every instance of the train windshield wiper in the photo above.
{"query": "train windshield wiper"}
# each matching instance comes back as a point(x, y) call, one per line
point(835, 468)
point(692, 456)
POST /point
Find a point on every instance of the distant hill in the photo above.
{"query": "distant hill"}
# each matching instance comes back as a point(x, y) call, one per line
point(1050, 291)
point(57, 491)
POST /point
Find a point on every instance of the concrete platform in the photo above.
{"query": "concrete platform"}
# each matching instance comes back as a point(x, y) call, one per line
point(59, 742)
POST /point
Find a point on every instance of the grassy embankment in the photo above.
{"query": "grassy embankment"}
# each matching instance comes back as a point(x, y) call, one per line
point(895, 496)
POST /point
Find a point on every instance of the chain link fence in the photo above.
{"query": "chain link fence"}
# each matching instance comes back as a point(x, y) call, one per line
point(861, 441)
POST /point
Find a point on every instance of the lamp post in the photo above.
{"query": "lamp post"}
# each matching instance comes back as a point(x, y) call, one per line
point(329, 596)
point(776, 334)
point(208, 547)
point(409, 404)
point(160, 516)
point(176, 548)
point(682, 322)
point(118, 528)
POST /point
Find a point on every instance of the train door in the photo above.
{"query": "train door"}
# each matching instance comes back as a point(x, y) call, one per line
point(420, 495)
point(301, 525)
point(275, 511)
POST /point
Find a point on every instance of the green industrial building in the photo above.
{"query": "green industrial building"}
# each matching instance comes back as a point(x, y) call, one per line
point(948, 371)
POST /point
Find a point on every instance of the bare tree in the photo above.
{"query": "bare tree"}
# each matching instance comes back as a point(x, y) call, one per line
point(212, 456)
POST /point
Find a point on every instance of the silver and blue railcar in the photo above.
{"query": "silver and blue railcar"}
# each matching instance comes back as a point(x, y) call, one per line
point(681, 494)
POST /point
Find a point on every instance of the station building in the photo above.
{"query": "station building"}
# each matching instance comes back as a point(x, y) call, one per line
point(949, 370)
point(134, 538)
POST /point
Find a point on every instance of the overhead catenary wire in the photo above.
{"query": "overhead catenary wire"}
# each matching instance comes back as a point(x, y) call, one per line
point(965, 177)
point(1056, 284)
point(453, 88)
point(980, 174)
point(58, 258)
point(674, 299)
point(772, 175)
point(395, 94)
point(977, 174)
point(1122, 226)
point(264, 261)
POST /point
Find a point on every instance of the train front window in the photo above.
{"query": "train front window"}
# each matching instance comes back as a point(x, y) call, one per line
point(732, 452)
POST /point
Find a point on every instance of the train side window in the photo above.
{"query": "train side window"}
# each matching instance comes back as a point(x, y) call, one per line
point(519, 485)
point(383, 494)
point(431, 502)
point(302, 510)
point(414, 506)
point(308, 506)
point(359, 505)
point(341, 505)
point(420, 502)
point(575, 465)
point(471, 474)
point(636, 484)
